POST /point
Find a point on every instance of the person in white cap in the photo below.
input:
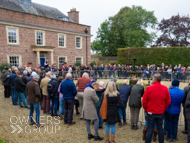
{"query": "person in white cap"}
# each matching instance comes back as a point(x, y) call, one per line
point(34, 96)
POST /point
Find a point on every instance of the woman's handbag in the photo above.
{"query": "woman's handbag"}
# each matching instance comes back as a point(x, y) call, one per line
point(104, 108)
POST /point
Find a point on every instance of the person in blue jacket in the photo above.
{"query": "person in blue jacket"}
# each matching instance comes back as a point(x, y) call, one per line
point(69, 92)
point(173, 111)
point(94, 79)
point(11, 82)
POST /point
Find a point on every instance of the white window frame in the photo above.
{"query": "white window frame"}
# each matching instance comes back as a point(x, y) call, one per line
point(62, 57)
point(20, 58)
point(17, 35)
point(79, 57)
point(64, 40)
point(43, 37)
point(76, 42)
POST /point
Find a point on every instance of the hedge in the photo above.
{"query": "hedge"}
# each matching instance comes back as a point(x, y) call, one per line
point(154, 55)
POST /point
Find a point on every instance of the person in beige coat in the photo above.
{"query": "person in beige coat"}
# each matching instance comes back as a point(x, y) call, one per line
point(46, 99)
point(89, 112)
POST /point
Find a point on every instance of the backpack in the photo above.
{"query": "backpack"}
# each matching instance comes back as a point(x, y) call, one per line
point(51, 87)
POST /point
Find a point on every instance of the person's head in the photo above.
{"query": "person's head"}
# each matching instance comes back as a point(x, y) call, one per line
point(85, 74)
point(126, 81)
point(95, 85)
point(101, 83)
point(36, 77)
point(114, 80)
point(65, 64)
point(156, 77)
point(68, 76)
point(60, 78)
point(94, 78)
point(20, 74)
point(175, 82)
point(48, 74)
point(53, 76)
point(25, 72)
point(111, 89)
point(6, 67)
point(41, 74)
point(140, 82)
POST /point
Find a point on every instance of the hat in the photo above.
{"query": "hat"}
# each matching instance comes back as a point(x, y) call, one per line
point(53, 76)
point(36, 76)
point(33, 73)
point(175, 82)
point(94, 77)
point(20, 73)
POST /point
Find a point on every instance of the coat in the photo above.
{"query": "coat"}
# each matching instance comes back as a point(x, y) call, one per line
point(100, 94)
point(176, 95)
point(135, 96)
point(43, 85)
point(187, 106)
point(114, 103)
point(124, 91)
point(186, 90)
point(19, 84)
point(5, 76)
point(11, 79)
point(33, 92)
point(89, 99)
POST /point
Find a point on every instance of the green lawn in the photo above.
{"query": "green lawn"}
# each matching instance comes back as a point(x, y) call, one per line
point(2, 141)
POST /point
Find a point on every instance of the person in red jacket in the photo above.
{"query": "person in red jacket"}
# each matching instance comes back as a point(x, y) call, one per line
point(155, 101)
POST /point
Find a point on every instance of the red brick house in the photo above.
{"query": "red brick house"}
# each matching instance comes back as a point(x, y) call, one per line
point(31, 32)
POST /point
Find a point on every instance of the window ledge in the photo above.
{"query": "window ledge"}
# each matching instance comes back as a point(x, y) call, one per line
point(13, 44)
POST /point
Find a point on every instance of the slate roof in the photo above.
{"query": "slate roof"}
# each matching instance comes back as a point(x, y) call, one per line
point(34, 8)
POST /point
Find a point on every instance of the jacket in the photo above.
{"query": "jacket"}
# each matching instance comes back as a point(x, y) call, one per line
point(89, 84)
point(176, 95)
point(114, 103)
point(19, 84)
point(135, 96)
point(186, 90)
point(100, 94)
point(68, 89)
point(33, 92)
point(156, 98)
point(124, 91)
point(187, 106)
point(25, 79)
point(82, 82)
point(5, 76)
point(89, 99)
point(11, 79)
point(54, 93)
point(43, 85)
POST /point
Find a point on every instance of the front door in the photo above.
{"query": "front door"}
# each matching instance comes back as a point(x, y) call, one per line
point(42, 61)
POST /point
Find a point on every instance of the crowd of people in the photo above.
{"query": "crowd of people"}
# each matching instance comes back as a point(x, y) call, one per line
point(52, 91)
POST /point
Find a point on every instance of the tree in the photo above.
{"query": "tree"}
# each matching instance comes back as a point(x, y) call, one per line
point(175, 32)
point(126, 29)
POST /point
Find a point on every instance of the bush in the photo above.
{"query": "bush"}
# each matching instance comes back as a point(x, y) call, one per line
point(92, 63)
point(3, 65)
point(78, 64)
point(119, 83)
point(155, 55)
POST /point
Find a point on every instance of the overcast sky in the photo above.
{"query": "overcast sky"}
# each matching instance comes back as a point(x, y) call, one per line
point(94, 12)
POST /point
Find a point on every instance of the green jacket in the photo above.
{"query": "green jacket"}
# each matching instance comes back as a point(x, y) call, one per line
point(100, 94)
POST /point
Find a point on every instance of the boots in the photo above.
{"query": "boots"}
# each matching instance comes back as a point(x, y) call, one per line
point(113, 139)
point(155, 134)
point(144, 133)
point(77, 111)
point(107, 139)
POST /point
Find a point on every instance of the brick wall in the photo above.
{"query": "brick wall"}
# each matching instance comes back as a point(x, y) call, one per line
point(27, 38)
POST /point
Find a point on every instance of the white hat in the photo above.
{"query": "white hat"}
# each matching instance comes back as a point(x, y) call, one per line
point(53, 76)
point(33, 73)
point(36, 76)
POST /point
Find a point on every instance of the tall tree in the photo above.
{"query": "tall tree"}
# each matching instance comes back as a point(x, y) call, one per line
point(126, 29)
point(175, 32)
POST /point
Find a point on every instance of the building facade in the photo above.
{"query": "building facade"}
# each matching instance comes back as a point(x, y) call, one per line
point(32, 33)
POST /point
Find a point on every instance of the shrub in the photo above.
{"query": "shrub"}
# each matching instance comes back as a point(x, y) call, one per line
point(119, 83)
point(3, 65)
point(78, 64)
point(92, 63)
point(154, 55)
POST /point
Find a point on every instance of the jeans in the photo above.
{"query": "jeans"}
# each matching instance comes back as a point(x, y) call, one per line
point(14, 96)
point(114, 74)
point(105, 76)
point(35, 106)
point(54, 105)
point(96, 122)
point(185, 120)
point(26, 98)
point(46, 104)
point(188, 122)
point(80, 99)
point(68, 110)
point(151, 118)
point(61, 106)
point(146, 122)
point(122, 113)
point(7, 91)
point(172, 125)
point(112, 128)
point(99, 118)
point(21, 98)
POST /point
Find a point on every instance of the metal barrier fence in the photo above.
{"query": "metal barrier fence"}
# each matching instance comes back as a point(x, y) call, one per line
point(106, 74)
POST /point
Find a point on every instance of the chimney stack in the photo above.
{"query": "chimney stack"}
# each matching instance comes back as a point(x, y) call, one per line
point(73, 14)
